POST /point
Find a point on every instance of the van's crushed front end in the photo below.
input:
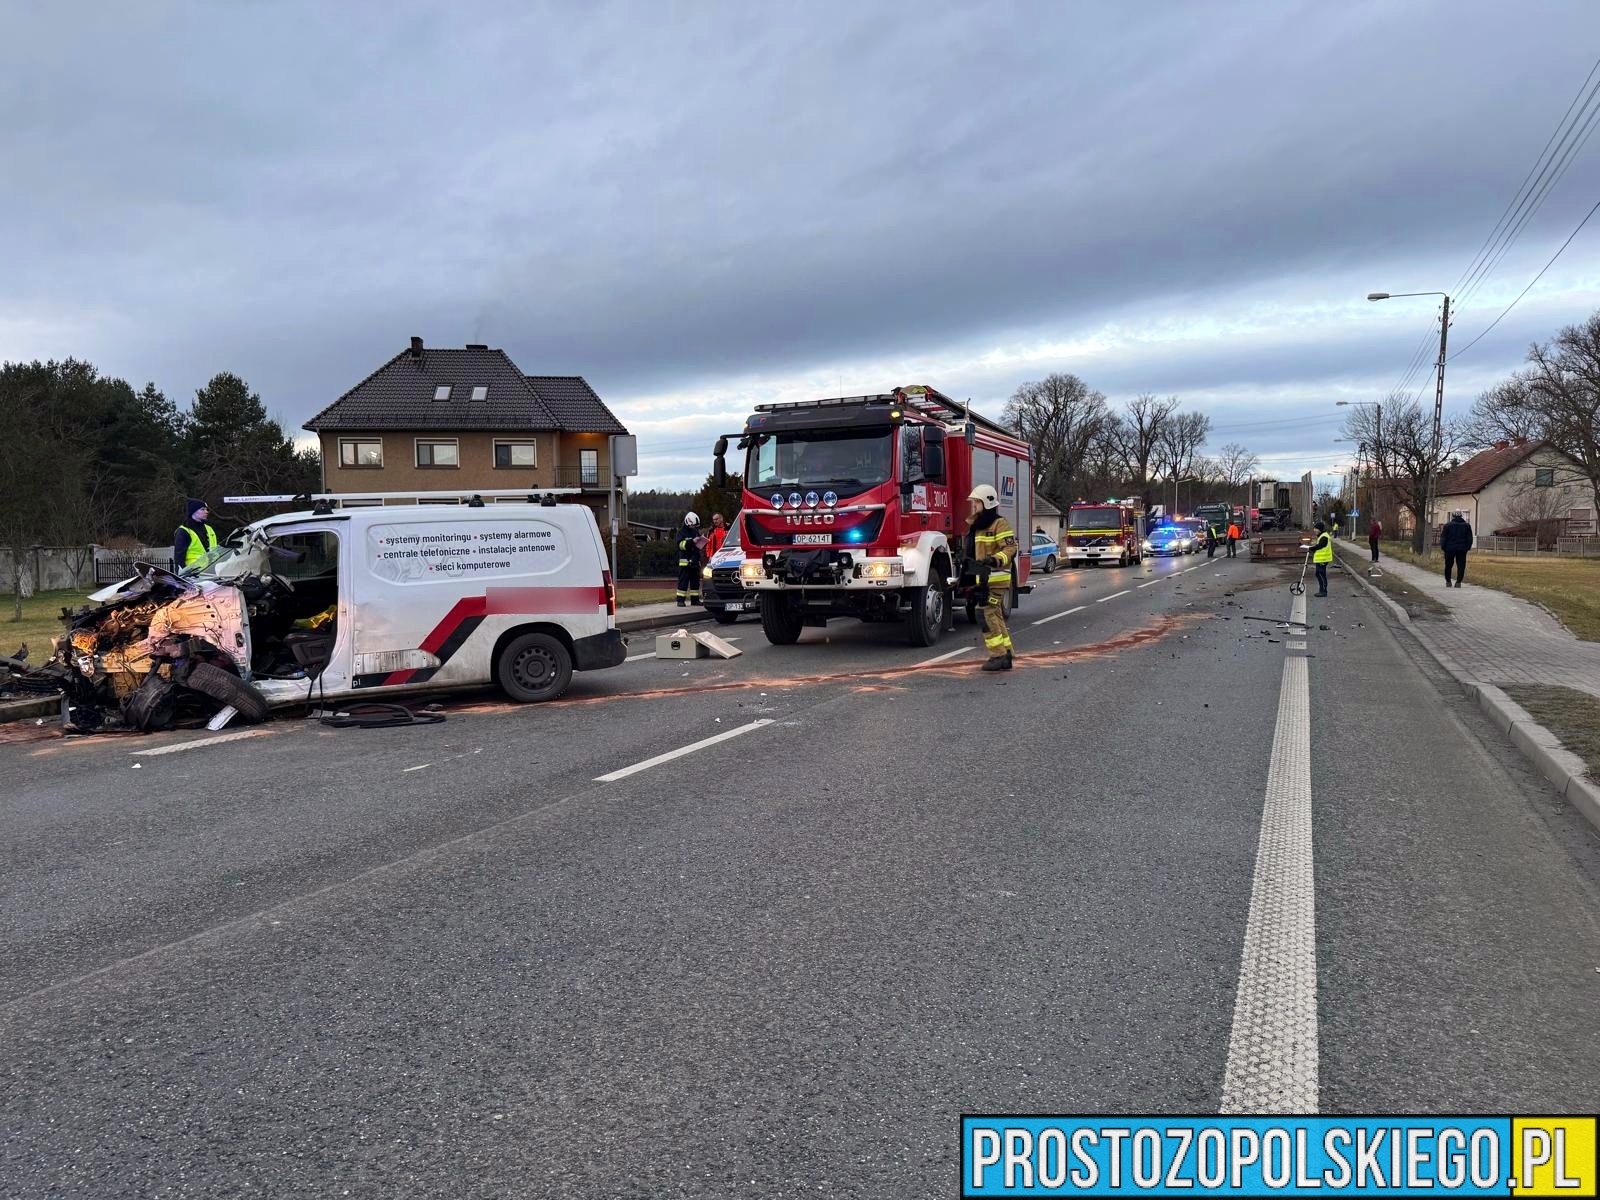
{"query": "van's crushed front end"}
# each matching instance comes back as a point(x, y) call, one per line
point(147, 650)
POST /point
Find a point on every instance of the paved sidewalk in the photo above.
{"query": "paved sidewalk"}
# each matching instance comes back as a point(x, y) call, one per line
point(1493, 635)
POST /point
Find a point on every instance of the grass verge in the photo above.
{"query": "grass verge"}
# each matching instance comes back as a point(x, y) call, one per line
point(40, 624)
point(1419, 607)
point(635, 596)
point(1568, 587)
point(1571, 715)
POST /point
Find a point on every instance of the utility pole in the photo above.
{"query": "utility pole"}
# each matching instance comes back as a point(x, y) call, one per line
point(1438, 430)
point(1377, 460)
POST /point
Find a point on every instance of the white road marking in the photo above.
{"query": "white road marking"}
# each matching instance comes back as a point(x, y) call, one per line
point(682, 750)
point(1151, 583)
point(1296, 645)
point(1113, 596)
point(939, 658)
point(1272, 1050)
point(198, 742)
point(1059, 615)
point(637, 657)
point(418, 767)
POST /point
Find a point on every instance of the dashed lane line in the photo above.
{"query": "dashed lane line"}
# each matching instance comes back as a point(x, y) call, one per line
point(613, 776)
point(1113, 596)
point(948, 654)
point(1272, 1050)
point(1059, 615)
point(198, 742)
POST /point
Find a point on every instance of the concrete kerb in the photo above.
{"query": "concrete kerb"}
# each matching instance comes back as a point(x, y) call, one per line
point(1566, 772)
point(25, 710)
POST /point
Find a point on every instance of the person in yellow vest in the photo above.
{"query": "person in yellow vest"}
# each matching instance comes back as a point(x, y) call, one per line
point(991, 543)
point(194, 539)
point(1321, 556)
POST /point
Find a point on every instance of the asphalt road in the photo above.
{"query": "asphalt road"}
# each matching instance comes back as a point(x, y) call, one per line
point(452, 960)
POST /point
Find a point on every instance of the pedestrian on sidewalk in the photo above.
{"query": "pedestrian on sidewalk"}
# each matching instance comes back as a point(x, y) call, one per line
point(1374, 532)
point(1322, 555)
point(1233, 539)
point(690, 547)
point(1455, 539)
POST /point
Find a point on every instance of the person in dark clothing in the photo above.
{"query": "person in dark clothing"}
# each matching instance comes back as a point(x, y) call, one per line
point(1211, 540)
point(1374, 532)
point(194, 539)
point(1455, 539)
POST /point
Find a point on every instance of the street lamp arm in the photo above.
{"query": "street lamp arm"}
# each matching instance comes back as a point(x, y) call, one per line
point(1401, 295)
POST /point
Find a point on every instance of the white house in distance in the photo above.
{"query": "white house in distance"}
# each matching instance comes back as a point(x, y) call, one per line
point(1517, 483)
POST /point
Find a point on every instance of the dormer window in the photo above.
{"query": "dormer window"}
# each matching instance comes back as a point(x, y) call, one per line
point(480, 392)
point(442, 392)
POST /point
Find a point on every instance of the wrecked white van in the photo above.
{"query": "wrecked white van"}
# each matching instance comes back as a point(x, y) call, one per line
point(340, 602)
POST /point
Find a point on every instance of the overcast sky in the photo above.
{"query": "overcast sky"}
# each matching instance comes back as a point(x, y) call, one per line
point(697, 206)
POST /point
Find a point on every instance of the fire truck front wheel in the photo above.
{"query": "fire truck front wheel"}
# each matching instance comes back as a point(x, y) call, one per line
point(779, 620)
point(926, 620)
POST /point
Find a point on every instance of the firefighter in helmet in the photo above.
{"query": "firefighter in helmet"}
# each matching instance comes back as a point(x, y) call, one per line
point(689, 546)
point(991, 543)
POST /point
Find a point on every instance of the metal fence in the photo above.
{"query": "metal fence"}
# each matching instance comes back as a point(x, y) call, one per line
point(114, 570)
point(1578, 547)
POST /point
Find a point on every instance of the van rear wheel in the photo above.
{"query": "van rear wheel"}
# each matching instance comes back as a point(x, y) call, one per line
point(534, 667)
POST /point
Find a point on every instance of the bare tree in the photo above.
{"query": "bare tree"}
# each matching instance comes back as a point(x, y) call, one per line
point(1138, 432)
point(1179, 442)
point(1403, 453)
point(1236, 465)
point(1560, 393)
point(1059, 416)
point(1502, 414)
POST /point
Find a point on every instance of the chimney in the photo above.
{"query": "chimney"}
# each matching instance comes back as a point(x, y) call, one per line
point(416, 348)
point(477, 346)
point(1501, 445)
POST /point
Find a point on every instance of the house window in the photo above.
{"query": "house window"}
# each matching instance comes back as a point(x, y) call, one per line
point(1544, 477)
point(588, 467)
point(442, 392)
point(354, 452)
point(440, 453)
point(516, 454)
point(480, 392)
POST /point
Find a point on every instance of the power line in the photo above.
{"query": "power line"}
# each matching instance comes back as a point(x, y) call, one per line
point(1512, 203)
point(1531, 282)
point(1537, 201)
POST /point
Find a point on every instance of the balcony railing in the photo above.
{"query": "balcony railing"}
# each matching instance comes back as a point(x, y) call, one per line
point(588, 478)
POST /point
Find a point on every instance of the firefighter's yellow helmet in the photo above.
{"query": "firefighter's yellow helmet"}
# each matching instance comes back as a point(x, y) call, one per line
point(985, 495)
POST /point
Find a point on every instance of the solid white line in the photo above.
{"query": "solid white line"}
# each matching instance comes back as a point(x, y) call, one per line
point(1059, 615)
point(939, 658)
point(637, 657)
point(1272, 1050)
point(1113, 596)
point(681, 751)
point(198, 742)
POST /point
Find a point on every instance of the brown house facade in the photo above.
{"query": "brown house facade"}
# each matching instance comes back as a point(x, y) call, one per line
point(465, 420)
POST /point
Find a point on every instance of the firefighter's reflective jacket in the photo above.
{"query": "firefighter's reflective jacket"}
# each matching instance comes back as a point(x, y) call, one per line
point(997, 541)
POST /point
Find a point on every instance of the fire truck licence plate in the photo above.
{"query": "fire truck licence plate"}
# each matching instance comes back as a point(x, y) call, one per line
point(812, 539)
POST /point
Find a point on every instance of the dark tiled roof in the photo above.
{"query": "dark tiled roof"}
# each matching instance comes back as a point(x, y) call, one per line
point(1479, 471)
point(399, 395)
point(575, 405)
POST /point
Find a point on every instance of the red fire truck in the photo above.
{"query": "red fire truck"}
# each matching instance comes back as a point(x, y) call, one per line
point(855, 507)
point(1109, 532)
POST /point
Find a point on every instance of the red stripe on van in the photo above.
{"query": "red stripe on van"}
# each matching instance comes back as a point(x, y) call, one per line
point(467, 606)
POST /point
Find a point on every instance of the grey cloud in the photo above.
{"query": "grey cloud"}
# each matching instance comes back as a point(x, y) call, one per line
point(665, 197)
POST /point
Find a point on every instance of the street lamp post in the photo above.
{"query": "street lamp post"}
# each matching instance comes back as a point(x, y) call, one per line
point(1175, 483)
point(1438, 408)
